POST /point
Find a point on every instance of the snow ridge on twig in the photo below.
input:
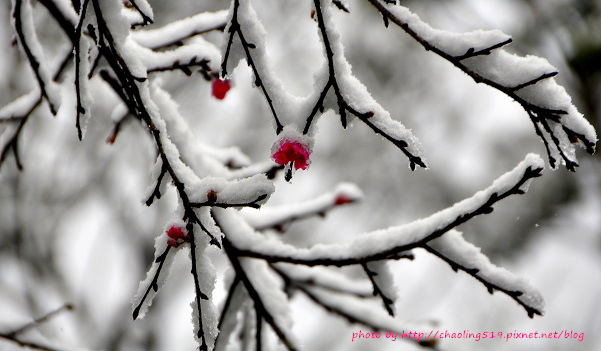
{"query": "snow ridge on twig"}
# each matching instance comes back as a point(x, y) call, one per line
point(527, 80)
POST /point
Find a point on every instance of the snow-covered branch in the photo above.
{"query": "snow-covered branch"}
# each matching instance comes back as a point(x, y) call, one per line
point(255, 277)
point(280, 217)
point(527, 80)
point(352, 96)
point(222, 194)
point(376, 247)
point(153, 107)
point(19, 111)
point(381, 244)
point(176, 32)
point(234, 29)
point(25, 30)
point(462, 255)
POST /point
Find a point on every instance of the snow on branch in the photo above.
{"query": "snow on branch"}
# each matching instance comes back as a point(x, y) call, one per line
point(269, 301)
point(527, 80)
point(322, 277)
point(25, 30)
point(248, 30)
point(221, 193)
point(154, 280)
point(176, 32)
point(382, 282)
point(245, 40)
point(462, 255)
point(127, 74)
point(143, 9)
point(352, 96)
point(360, 311)
point(10, 136)
point(280, 217)
point(390, 243)
point(381, 244)
point(18, 112)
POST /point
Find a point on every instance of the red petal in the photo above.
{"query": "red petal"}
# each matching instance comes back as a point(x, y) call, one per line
point(172, 243)
point(176, 233)
point(292, 151)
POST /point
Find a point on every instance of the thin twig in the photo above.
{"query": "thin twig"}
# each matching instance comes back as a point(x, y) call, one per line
point(236, 29)
point(386, 301)
point(154, 283)
point(491, 287)
point(33, 61)
point(45, 318)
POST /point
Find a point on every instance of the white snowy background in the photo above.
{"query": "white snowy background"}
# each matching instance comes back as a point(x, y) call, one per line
point(73, 226)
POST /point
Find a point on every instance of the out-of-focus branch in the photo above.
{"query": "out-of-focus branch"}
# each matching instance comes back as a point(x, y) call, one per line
point(357, 318)
point(27, 344)
point(13, 336)
point(24, 112)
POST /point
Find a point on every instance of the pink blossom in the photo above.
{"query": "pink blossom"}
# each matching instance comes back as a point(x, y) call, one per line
point(292, 151)
point(176, 236)
point(220, 88)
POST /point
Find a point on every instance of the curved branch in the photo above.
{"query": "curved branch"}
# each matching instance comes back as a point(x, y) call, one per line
point(397, 239)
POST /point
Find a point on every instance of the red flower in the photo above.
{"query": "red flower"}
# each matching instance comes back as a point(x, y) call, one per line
point(176, 234)
point(292, 151)
point(220, 88)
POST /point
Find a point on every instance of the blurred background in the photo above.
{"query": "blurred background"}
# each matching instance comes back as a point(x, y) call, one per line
point(74, 229)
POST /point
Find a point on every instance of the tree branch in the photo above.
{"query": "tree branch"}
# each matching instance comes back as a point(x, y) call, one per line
point(235, 29)
point(254, 295)
point(154, 284)
point(386, 301)
point(491, 287)
point(460, 216)
point(13, 335)
point(33, 61)
point(537, 114)
point(343, 105)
